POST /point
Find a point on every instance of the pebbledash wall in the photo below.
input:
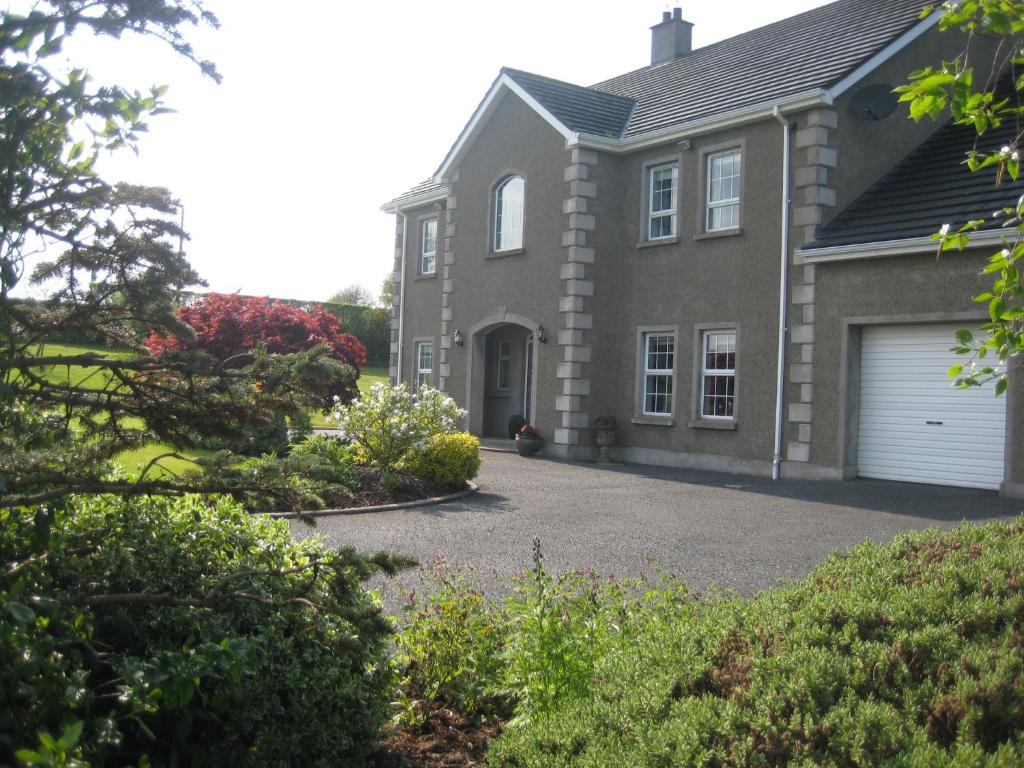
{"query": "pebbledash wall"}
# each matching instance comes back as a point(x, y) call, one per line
point(588, 277)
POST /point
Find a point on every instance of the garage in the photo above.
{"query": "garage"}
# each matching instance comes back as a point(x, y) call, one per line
point(913, 425)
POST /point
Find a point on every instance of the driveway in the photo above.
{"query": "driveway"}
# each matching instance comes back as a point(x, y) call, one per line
point(735, 531)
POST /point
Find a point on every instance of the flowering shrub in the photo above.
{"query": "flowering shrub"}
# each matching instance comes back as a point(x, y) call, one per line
point(390, 421)
point(530, 431)
point(448, 460)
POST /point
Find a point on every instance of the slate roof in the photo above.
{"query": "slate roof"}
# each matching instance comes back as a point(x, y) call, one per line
point(929, 188)
point(815, 49)
point(424, 188)
point(579, 109)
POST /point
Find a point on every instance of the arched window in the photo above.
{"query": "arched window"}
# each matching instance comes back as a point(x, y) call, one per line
point(508, 214)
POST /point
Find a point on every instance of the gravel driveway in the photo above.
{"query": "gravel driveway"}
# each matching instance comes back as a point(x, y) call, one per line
point(735, 531)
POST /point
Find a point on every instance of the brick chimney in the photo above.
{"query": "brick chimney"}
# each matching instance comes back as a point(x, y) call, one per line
point(672, 38)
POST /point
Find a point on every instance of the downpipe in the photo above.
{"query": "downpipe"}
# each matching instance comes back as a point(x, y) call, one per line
point(401, 298)
point(780, 379)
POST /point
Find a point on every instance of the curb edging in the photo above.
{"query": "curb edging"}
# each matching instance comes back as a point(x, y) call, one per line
point(471, 487)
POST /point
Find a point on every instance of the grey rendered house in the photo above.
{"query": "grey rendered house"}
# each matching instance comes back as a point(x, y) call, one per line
point(726, 250)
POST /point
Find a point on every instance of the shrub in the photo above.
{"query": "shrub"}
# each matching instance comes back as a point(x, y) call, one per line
point(447, 460)
point(449, 645)
point(179, 633)
point(905, 655)
point(327, 466)
point(389, 421)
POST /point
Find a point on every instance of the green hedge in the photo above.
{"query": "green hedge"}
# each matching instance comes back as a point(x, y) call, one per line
point(245, 647)
point(910, 654)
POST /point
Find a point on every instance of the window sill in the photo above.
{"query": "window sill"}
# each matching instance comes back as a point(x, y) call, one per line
point(727, 424)
point(503, 254)
point(503, 395)
point(654, 421)
point(428, 276)
point(719, 233)
point(656, 243)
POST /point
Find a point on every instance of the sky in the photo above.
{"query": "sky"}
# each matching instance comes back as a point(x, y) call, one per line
point(329, 109)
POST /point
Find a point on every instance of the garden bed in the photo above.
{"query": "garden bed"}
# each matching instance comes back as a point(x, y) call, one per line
point(373, 491)
point(444, 739)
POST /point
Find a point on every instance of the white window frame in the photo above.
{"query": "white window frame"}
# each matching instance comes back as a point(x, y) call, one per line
point(513, 236)
point(666, 373)
point(424, 376)
point(705, 336)
point(731, 202)
point(428, 256)
point(672, 212)
point(504, 365)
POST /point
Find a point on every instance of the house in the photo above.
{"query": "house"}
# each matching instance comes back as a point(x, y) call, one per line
point(727, 250)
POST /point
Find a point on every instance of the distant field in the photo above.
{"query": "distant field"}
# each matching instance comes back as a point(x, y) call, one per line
point(134, 460)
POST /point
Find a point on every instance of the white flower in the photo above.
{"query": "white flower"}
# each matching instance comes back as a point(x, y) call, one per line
point(1005, 253)
point(945, 230)
point(1015, 156)
point(337, 399)
point(1004, 152)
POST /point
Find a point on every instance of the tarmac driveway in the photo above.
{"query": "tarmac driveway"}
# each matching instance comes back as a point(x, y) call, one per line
point(707, 528)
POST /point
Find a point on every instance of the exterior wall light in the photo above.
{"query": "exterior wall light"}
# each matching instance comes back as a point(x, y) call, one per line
point(541, 336)
point(457, 337)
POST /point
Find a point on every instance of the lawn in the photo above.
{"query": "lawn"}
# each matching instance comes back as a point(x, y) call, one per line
point(133, 461)
point(370, 375)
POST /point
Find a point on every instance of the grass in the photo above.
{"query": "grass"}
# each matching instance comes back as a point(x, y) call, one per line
point(134, 460)
point(371, 374)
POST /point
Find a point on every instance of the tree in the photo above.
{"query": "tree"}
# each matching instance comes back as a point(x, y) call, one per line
point(113, 266)
point(229, 325)
point(984, 103)
point(387, 292)
point(135, 629)
point(353, 295)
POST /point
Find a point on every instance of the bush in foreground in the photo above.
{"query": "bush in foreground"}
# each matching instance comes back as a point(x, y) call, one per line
point(172, 632)
point(910, 654)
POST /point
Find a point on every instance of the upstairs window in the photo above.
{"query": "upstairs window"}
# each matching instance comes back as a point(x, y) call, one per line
point(508, 214)
point(428, 247)
point(663, 196)
point(723, 204)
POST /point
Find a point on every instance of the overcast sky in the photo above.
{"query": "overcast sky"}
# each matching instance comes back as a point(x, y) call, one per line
point(329, 109)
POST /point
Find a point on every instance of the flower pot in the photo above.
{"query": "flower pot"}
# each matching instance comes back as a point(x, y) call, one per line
point(527, 446)
point(605, 438)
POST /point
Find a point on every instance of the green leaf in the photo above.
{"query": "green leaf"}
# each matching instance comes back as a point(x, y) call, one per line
point(21, 613)
point(964, 336)
point(954, 371)
point(1001, 385)
point(72, 734)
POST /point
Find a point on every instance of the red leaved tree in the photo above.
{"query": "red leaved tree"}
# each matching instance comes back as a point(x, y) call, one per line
point(226, 325)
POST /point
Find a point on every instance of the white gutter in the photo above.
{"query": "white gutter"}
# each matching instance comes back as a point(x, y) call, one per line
point(817, 97)
point(399, 205)
point(886, 248)
point(780, 377)
point(401, 297)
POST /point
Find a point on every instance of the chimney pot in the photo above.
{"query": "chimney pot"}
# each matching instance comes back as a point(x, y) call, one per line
point(672, 38)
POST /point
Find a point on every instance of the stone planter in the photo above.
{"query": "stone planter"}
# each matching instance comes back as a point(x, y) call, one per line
point(605, 437)
point(527, 446)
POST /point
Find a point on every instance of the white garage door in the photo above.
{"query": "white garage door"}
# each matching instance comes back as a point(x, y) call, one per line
point(914, 425)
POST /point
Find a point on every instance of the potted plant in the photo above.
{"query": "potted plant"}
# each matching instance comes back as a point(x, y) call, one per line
point(604, 433)
point(515, 423)
point(528, 440)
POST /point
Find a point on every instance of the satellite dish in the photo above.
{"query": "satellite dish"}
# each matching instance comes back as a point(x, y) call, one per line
point(874, 102)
